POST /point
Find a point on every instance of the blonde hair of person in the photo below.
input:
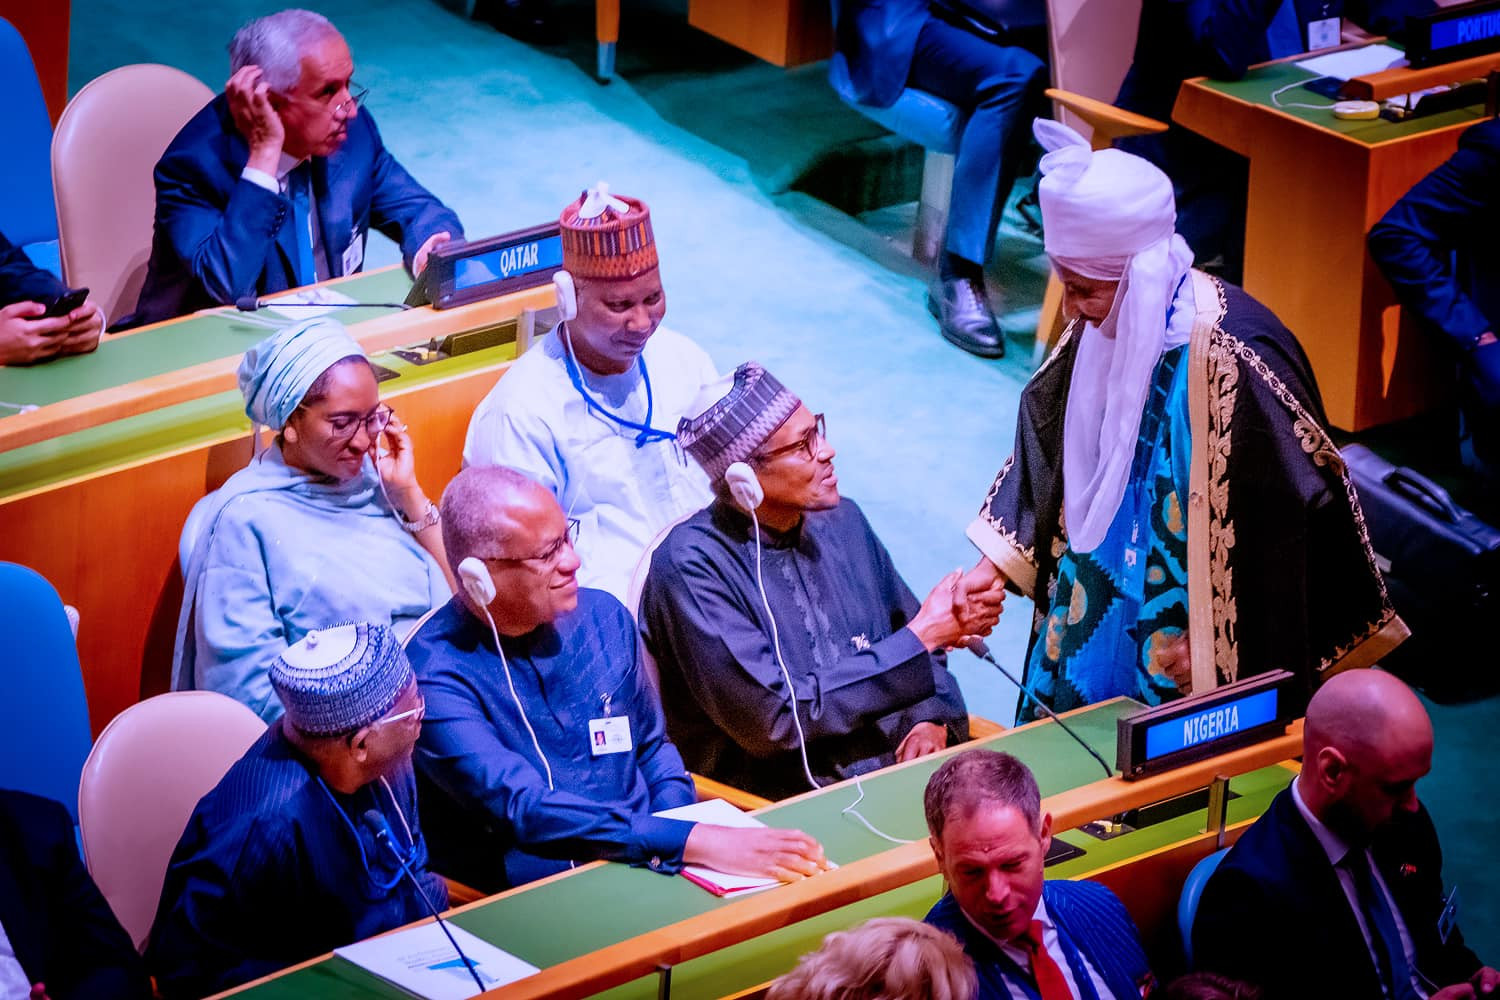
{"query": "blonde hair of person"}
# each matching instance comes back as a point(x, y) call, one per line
point(888, 958)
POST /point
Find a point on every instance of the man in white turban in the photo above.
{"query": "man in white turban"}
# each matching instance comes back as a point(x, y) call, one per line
point(1174, 503)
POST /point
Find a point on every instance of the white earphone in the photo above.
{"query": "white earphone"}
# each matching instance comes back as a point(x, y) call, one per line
point(567, 295)
point(478, 583)
point(744, 486)
point(480, 586)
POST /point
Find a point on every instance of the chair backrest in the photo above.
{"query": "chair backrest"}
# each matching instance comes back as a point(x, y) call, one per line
point(1192, 892)
point(148, 770)
point(1092, 43)
point(108, 141)
point(27, 212)
point(44, 716)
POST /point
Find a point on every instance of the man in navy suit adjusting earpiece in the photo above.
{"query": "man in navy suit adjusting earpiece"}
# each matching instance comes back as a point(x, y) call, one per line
point(835, 623)
point(544, 744)
point(278, 181)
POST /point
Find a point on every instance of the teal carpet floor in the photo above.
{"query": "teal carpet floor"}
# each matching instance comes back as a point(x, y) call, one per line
point(729, 154)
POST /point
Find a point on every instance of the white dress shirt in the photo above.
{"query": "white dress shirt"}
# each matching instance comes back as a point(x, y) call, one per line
point(1054, 947)
point(14, 983)
point(278, 185)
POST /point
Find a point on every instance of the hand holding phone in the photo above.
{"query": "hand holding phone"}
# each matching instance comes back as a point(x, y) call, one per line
point(66, 302)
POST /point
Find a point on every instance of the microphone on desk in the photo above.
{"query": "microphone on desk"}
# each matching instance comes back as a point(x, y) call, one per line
point(386, 839)
point(249, 303)
point(978, 648)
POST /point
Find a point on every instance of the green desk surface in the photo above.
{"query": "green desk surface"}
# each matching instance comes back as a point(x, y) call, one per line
point(1260, 83)
point(194, 423)
point(753, 962)
point(194, 340)
point(604, 905)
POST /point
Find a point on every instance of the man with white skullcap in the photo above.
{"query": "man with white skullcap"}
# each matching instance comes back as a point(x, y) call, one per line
point(591, 412)
point(1174, 503)
point(285, 859)
point(865, 662)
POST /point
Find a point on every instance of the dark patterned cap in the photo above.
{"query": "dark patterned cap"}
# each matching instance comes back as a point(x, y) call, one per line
point(735, 416)
point(339, 679)
point(607, 236)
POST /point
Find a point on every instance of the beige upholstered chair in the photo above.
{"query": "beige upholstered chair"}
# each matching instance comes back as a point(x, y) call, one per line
point(147, 771)
point(105, 147)
point(1092, 43)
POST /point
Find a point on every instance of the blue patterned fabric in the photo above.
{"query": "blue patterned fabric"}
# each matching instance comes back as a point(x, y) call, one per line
point(1114, 609)
point(490, 812)
point(275, 868)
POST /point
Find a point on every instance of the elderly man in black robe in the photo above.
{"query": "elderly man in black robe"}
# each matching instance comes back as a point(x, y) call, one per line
point(1174, 504)
point(791, 652)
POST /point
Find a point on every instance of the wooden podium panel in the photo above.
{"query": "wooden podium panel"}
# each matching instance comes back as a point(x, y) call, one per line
point(782, 32)
point(1317, 186)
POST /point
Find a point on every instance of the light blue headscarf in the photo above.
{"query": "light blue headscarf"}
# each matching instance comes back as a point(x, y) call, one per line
point(277, 372)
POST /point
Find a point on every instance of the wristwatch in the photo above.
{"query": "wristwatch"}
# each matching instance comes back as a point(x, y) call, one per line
point(427, 520)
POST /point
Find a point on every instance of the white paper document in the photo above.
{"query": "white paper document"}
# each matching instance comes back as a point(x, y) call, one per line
point(719, 813)
point(316, 302)
point(421, 961)
point(1349, 63)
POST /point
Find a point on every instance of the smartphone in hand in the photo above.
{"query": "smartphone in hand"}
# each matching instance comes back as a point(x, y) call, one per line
point(65, 303)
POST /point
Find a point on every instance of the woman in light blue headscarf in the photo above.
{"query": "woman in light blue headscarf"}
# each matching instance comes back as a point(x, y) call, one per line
point(327, 525)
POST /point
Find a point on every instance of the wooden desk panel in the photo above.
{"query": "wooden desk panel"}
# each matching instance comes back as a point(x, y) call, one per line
point(1317, 186)
point(669, 922)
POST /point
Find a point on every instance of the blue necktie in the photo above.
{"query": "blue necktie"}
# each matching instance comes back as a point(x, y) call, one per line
point(1284, 36)
point(1385, 937)
point(299, 187)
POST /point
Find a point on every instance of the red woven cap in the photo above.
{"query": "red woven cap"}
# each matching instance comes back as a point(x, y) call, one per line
point(613, 245)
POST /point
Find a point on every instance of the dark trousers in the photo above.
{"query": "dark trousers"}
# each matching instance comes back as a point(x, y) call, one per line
point(1001, 88)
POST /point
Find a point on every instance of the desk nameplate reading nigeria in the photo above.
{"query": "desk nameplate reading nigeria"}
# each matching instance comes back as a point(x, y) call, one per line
point(1181, 732)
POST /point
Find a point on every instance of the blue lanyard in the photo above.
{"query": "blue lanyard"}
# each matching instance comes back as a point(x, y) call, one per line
point(364, 861)
point(646, 433)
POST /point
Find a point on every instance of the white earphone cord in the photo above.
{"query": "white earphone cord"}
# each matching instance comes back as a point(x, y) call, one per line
point(786, 675)
point(505, 665)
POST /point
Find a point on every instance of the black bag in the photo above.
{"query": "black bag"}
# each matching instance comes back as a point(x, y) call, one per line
point(1442, 568)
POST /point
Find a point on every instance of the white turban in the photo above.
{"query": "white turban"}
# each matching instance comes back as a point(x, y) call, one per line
point(1109, 216)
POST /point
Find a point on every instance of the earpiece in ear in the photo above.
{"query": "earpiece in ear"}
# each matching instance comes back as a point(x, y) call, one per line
point(567, 295)
point(475, 577)
point(744, 485)
point(289, 433)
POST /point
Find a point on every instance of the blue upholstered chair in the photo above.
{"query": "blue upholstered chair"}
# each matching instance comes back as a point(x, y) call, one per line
point(44, 716)
point(1192, 892)
point(935, 125)
point(28, 216)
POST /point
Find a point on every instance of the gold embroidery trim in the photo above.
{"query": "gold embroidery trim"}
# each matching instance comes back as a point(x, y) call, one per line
point(1203, 607)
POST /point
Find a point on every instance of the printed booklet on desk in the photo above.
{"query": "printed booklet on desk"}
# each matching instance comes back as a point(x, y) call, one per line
point(421, 961)
point(719, 813)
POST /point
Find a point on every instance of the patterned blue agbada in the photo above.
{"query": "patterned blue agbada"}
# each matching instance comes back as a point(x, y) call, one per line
point(1114, 609)
point(275, 868)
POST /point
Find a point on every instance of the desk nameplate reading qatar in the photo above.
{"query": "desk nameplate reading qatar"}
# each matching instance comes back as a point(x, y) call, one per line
point(1206, 725)
point(463, 272)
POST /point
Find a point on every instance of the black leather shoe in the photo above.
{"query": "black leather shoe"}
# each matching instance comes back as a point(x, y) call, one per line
point(964, 316)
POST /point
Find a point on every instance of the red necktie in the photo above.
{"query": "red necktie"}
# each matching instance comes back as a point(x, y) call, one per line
point(1050, 981)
